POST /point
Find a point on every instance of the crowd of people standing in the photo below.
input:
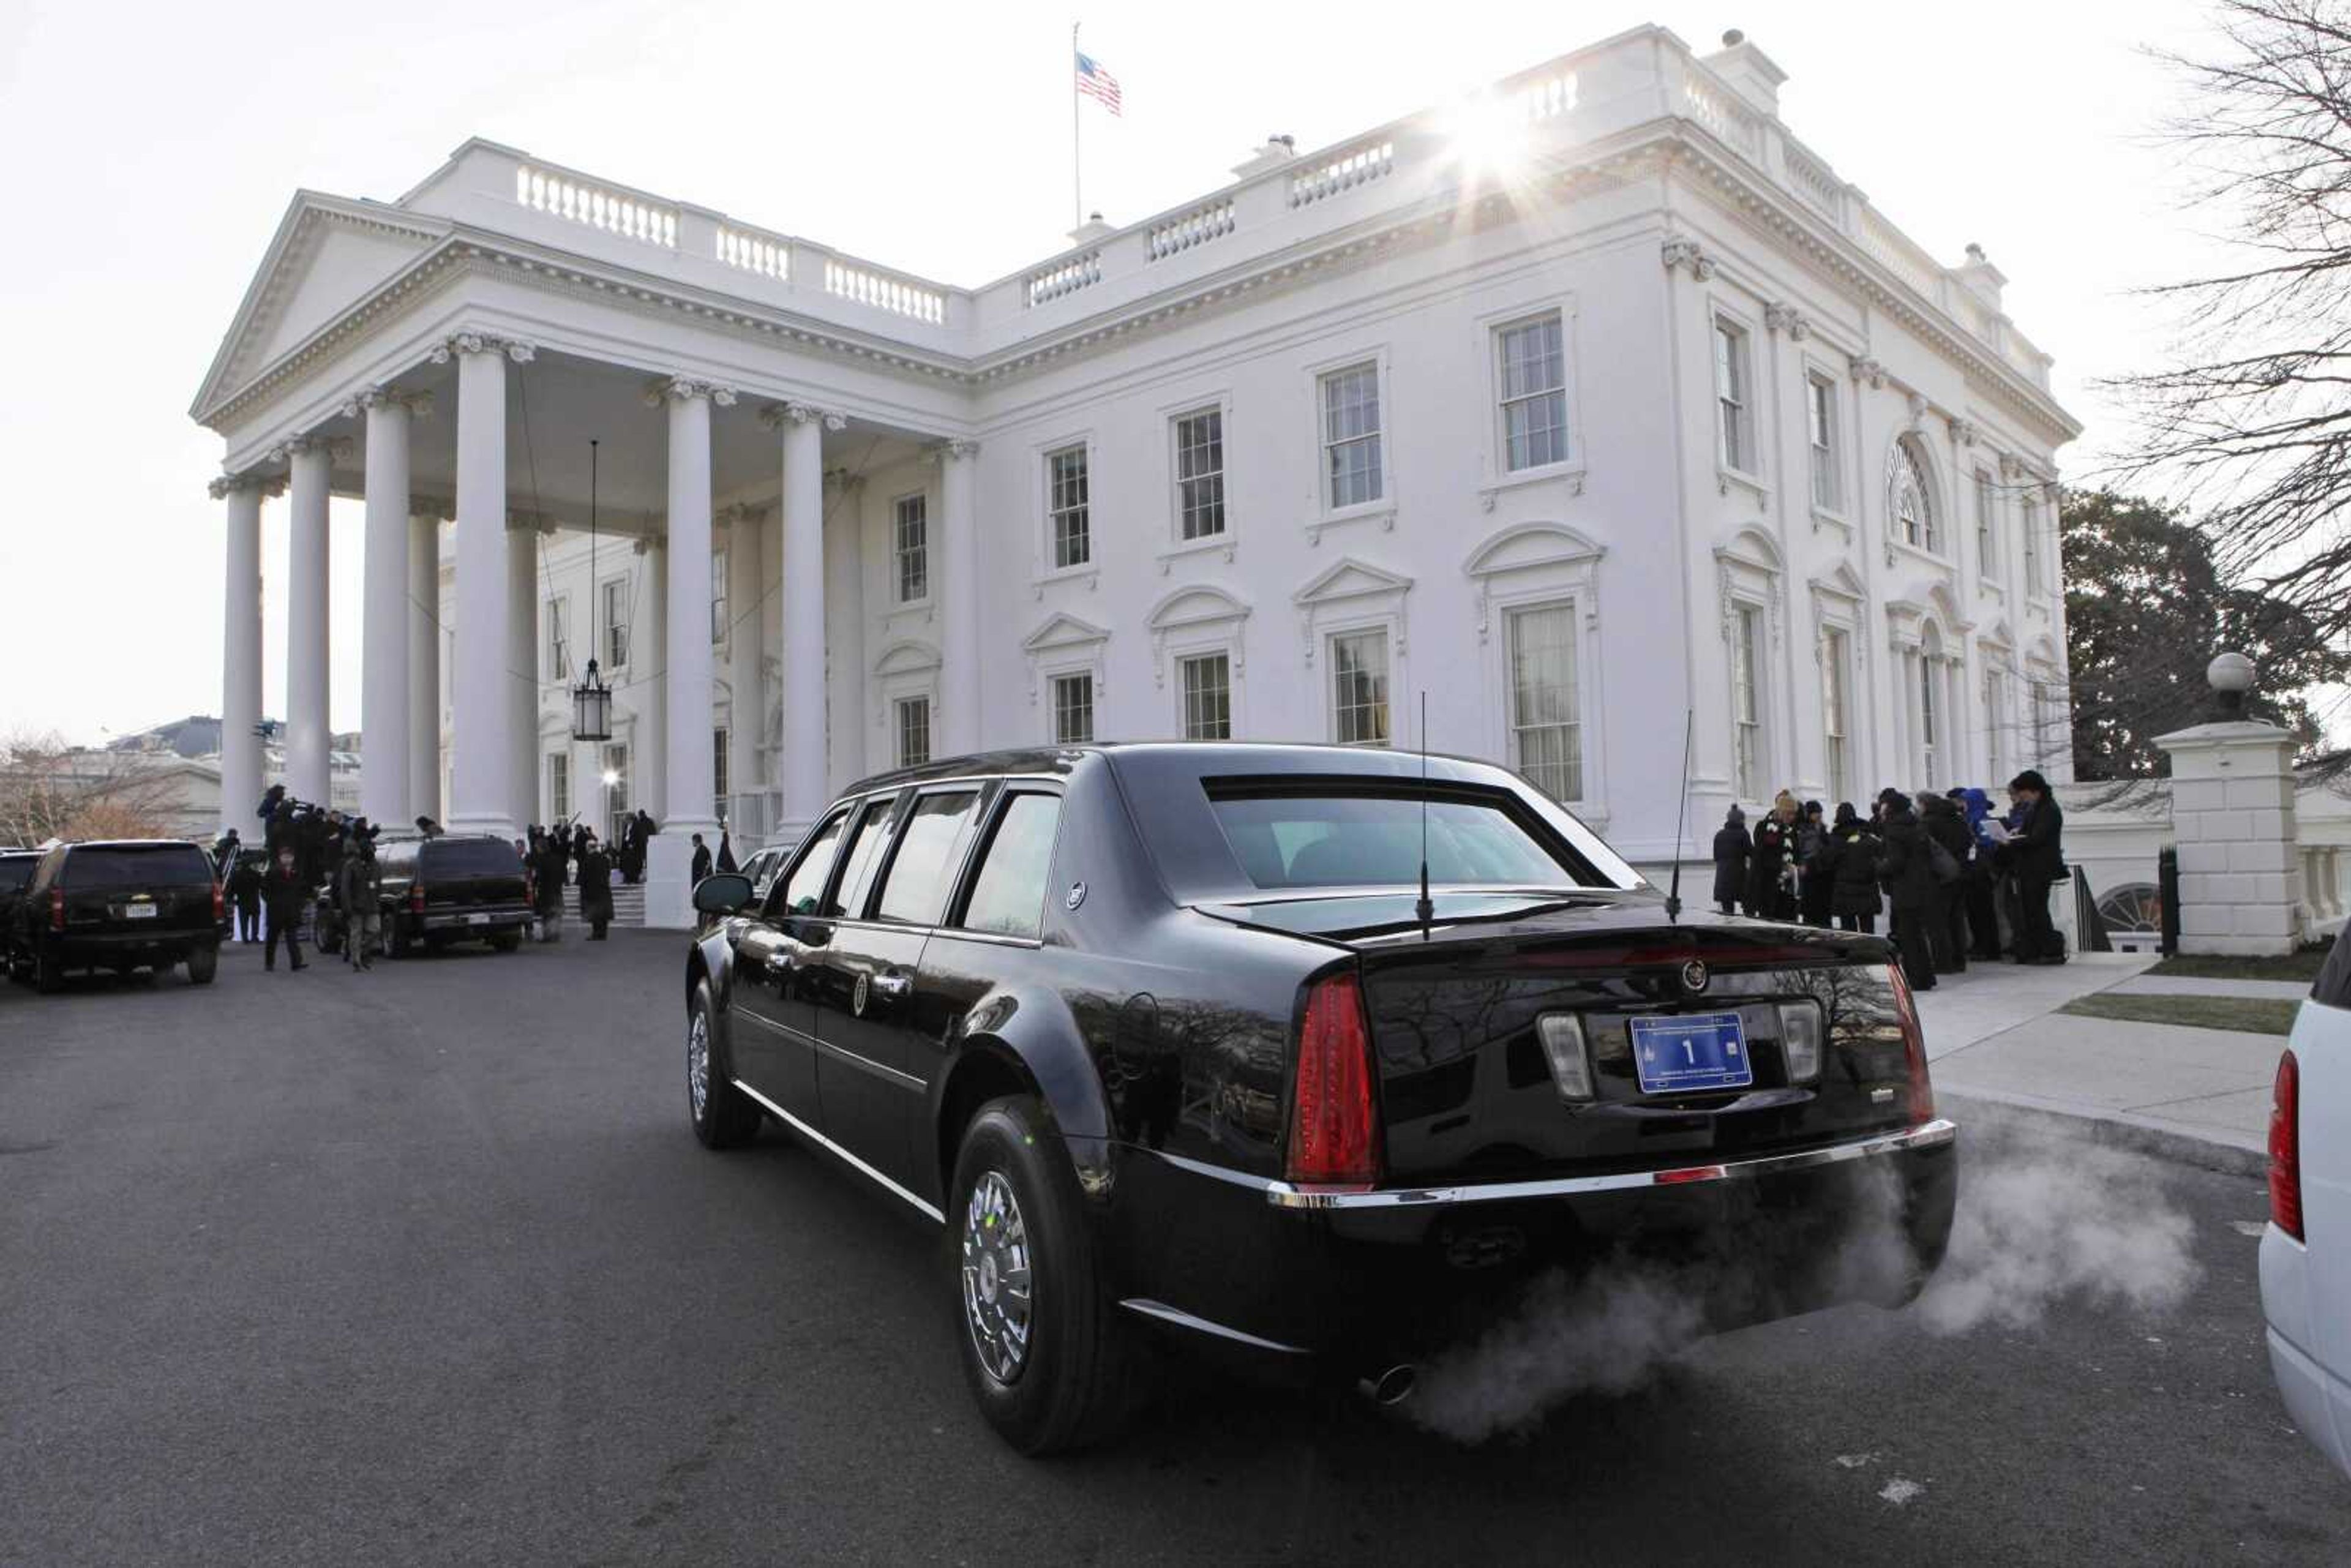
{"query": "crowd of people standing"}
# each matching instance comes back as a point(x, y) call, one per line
point(1960, 882)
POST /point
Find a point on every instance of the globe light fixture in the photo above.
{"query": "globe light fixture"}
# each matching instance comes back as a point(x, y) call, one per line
point(2230, 676)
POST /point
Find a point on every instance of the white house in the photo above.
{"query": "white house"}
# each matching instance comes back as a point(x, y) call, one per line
point(1593, 402)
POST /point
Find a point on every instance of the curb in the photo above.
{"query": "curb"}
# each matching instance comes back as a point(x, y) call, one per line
point(2115, 1129)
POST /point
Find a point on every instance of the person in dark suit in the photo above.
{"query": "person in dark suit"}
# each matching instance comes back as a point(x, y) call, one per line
point(701, 859)
point(1907, 868)
point(284, 892)
point(2039, 862)
point(1732, 850)
point(595, 886)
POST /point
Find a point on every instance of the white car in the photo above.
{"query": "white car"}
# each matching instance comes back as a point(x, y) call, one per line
point(2306, 1248)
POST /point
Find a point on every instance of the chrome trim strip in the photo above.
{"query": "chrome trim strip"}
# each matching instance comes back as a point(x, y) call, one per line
point(1184, 1320)
point(882, 1070)
point(804, 1130)
point(1216, 1172)
point(1284, 1195)
point(771, 1025)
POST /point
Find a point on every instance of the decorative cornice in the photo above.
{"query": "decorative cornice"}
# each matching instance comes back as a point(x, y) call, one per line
point(1866, 369)
point(514, 349)
point(685, 389)
point(1780, 316)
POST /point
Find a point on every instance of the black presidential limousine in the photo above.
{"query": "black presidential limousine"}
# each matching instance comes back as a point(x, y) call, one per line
point(1167, 1039)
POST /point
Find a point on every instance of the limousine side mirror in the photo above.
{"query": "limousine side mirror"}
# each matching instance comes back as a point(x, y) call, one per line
point(722, 892)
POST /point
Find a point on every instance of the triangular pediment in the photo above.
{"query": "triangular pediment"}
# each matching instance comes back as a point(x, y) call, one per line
point(1528, 546)
point(1194, 606)
point(907, 658)
point(1840, 581)
point(1350, 579)
point(326, 256)
point(1064, 631)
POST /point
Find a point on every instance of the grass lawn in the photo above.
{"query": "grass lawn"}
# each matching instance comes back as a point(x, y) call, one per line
point(2301, 966)
point(2249, 1017)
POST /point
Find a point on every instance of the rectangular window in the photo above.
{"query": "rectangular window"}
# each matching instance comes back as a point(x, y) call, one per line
point(2030, 529)
point(1065, 505)
point(721, 784)
point(559, 786)
point(1008, 895)
point(616, 623)
point(914, 731)
point(1534, 393)
point(1359, 674)
point(718, 597)
point(796, 891)
point(1836, 718)
point(1375, 838)
point(1208, 697)
point(559, 644)
point(1984, 532)
point(1928, 730)
point(1546, 737)
point(914, 887)
point(1074, 709)
point(1731, 382)
point(863, 847)
point(1350, 435)
point(1200, 473)
point(1746, 702)
point(911, 540)
point(1819, 400)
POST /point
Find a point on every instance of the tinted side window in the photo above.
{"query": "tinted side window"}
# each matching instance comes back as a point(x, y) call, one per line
point(915, 888)
point(1008, 896)
point(797, 893)
point(2333, 988)
point(470, 857)
point(16, 873)
point(866, 841)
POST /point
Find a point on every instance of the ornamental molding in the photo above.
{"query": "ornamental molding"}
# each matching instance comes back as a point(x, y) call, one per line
point(1964, 433)
point(1681, 252)
point(293, 446)
point(1195, 612)
point(687, 389)
point(224, 485)
point(1351, 591)
point(1780, 316)
point(1869, 371)
point(457, 343)
point(367, 400)
point(777, 415)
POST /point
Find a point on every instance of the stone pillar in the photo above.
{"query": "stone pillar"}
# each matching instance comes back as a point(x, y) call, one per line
point(648, 647)
point(746, 703)
point(240, 744)
point(2232, 818)
point(424, 669)
point(958, 539)
point(520, 661)
point(384, 717)
point(688, 767)
point(799, 750)
point(481, 788)
point(309, 463)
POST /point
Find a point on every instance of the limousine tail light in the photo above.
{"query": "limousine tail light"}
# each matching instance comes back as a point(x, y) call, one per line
point(220, 909)
point(1334, 1130)
point(1913, 1050)
point(2285, 1148)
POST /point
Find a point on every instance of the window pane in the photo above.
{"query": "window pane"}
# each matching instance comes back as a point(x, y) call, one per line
point(915, 888)
point(1008, 896)
point(1208, 697)
point(1200, 473)
point(1546, 739)
point(913, 548)
point(914, 731)
point(1074, 709)
point(1351, 423)
point(797, 893)
point(1066, 500)
point(865, 847)
point(1358, 669)
point(1375, 841)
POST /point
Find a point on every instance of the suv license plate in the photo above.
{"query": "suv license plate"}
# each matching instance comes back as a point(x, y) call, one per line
point(1691, 1052)
point(138, 911)
point(478, 920)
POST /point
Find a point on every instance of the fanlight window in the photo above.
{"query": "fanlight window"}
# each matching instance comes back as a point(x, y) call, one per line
point(1909, 500)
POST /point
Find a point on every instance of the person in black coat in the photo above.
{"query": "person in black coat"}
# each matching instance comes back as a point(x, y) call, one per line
point(1815, 879)
point(284, 893)
point(1732, 850)
point(700, 860)
point(1770, 893)
point(1851, 856)
point(595, 886)
point(1907, 868)
point(2039, 860)
point(1946, 924)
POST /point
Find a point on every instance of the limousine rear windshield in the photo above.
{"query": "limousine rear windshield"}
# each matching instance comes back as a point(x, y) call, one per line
point(1289, 834)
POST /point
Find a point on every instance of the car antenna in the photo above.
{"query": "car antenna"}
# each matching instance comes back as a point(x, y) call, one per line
point(1681, 818)
point(1424, 910)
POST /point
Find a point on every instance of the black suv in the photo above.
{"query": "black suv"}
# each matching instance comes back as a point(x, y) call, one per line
point(453, 888)
point(120, 905)
point(16, 876)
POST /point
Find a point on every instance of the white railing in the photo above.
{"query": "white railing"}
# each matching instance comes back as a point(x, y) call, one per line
point(1542, 98)
point(1197, 227)
point(1812, 180)
point(769, 256)
point(899, 296)
point(2322, 900)
point(1715, 107)
point(1064, 277)
point(751, 818)
point(1896, 252)
point(579, 201)
point(1344, 171)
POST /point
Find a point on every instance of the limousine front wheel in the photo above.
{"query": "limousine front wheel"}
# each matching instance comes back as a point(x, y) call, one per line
point(1052, 1363)
point(724, 1116)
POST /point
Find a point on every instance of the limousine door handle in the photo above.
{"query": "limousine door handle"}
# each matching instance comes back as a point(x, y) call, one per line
point(893, 988)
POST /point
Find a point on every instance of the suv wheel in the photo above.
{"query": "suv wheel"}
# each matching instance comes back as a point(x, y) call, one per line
point(202, 962)
point(1052, 1361)
point(724, 1116)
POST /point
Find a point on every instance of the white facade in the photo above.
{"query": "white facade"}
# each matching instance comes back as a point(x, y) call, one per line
point(1593, 403)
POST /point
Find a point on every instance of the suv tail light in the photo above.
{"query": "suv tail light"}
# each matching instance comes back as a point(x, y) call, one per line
point(220, 904)
point(56, 909)
point(2285, 1148)
point(416, 896)
point(1334, 1130)
point(1913, 1050)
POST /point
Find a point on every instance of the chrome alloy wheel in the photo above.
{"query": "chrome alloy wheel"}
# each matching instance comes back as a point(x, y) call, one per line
point(697, 1063)
point(996, 1285)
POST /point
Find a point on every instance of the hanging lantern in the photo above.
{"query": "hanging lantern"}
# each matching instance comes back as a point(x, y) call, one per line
point(591, 708)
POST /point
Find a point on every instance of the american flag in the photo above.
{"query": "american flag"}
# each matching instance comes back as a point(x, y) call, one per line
point(1097, 83)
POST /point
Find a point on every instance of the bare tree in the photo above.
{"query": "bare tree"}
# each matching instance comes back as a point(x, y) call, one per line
point(50, 790)
point(2253, 426)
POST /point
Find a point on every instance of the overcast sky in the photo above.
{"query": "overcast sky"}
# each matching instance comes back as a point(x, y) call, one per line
point(153, 149)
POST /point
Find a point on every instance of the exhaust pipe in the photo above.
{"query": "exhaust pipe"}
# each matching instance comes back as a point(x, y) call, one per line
point(1392, 1387)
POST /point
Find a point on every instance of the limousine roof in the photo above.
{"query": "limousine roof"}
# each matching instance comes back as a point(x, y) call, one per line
point(1193, 756)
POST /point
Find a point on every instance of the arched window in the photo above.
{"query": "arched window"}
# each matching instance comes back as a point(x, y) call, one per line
point(1910, 500)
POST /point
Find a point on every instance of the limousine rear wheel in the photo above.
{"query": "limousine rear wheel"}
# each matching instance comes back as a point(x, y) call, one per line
point(1050, 1358)
point(724, 1116)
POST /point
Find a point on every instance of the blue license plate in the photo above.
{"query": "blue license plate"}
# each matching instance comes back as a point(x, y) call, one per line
point(1691, 1052)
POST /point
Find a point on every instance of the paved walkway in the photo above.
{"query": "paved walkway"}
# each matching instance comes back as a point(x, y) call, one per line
point(1995, 1036)
point(2184, 986)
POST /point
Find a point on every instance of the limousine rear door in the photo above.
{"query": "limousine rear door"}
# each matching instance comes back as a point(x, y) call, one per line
point(773, 1039)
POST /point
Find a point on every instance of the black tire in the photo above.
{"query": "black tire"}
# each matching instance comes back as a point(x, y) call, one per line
point(1083, 1373)
point(203, 964)
point(504, 941)
point(724, 1116)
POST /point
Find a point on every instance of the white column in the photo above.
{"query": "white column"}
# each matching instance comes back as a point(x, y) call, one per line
point(307, 646)
point(424, 669)
point(481, 788)
point(384, 628)
point(959, 563)
point(799, 753)
point(746, 700)
point(688, 769)
point(521, 665)
point(648, 684)
point(240, 748)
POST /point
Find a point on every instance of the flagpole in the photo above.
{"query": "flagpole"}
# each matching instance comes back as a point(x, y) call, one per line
point(1077, 142)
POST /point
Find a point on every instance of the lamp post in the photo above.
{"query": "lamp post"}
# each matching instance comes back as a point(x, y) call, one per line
point(591, 699)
